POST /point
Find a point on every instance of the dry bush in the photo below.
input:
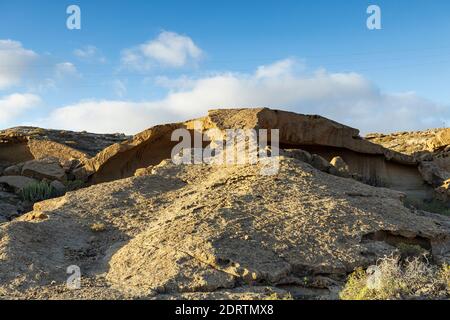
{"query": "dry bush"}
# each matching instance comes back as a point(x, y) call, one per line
point(277, 296)
point(394, 278)
point(98, 227)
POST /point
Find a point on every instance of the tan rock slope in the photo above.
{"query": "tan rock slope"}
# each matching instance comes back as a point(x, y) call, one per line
point(211, 231)
point(147, 228)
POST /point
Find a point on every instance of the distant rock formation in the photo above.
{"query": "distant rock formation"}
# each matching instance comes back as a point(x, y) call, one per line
point(430, 148)
point(21, 144)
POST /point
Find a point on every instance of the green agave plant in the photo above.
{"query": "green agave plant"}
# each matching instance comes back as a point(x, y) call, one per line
point(38, 191)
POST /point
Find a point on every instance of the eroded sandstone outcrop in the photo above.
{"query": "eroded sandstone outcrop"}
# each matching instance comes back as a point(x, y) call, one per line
point(29, 155)
point(431, 145)
point(121, 160)
point(22, 144)
point(373, 163)
point(147, 228)
point(431, 149)
point(84, 142)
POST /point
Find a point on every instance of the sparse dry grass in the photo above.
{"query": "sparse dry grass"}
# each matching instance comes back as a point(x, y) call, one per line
point(98, 227)
point(393, 278)
point(276, 296)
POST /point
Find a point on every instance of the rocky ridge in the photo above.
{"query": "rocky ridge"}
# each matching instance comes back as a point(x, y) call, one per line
point(147, 228)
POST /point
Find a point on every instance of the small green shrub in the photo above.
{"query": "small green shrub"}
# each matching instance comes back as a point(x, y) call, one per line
point(75, 185)
point(38, 191)
point(434, 205)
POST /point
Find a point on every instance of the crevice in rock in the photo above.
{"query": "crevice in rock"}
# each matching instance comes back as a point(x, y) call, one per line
point(394, 238)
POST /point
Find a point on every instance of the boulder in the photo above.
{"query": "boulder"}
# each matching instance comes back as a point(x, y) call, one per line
point(298, 154)
point(8, 197)
point(14, 170)
point(341, 167)
point(47, 168)
point(33, 216)
point(320, 163)
point(59, 187)
point(121, 160)
point(433, 174)
point(16, 183)
point(81, 174)
point(300, 130)
point(426, 156)
point(143, 171)
point(8, 211)
point(443, 191)
point(70, 165)
point(39, 143)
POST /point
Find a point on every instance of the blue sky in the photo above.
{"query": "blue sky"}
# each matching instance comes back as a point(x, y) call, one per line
point(136, 63)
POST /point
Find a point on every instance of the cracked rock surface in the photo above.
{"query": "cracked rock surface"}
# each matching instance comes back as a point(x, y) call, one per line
point(210, 231)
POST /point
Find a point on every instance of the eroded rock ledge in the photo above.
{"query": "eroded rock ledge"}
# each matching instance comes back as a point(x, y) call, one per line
point(374, 163)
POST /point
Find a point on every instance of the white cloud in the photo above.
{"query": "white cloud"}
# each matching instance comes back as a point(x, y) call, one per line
point(181, 83)
point(14, 62)
point(66, 69)
point(104, 116)
point(120, 88)
point(34, 72)
point(169, 49)
point(89, 53)
point(345, 97)
point(279, 68)
point(14, 105)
